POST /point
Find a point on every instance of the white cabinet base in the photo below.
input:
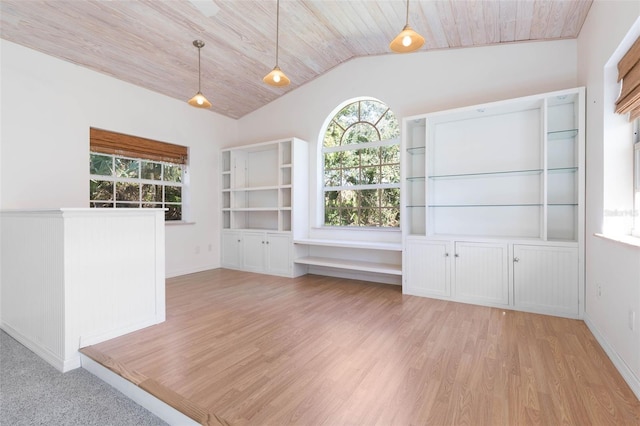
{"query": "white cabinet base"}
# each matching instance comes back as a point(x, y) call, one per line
point(258, 251)
point(428, 273)
point(546, 279)
point(541, 278)
point(481, 273)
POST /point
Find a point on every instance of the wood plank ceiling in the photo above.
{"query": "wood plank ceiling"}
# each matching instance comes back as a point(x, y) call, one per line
point(149, 42)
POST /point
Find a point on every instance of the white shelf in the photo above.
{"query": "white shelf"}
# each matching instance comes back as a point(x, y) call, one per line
point(256, 188)
point(350, 244)
point(255, 209)
point(482, 162)
point(354, 265)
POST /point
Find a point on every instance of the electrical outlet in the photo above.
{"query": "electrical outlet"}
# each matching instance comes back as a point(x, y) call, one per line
point(632, 319)
point(599, 290)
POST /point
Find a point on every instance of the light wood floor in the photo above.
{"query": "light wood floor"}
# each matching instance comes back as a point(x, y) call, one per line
point(242, 348)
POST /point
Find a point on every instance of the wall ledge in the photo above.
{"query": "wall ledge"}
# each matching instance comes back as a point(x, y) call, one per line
point(627, 240)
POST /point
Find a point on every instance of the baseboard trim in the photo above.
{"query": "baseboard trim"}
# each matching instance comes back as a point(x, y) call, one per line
point(60, 364)
point(621, 366)
point(187, 271)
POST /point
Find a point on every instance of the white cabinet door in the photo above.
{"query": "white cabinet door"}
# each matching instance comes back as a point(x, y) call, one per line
point(546, 279)
point(482, 273)
point(231, 249)
point(427, 268)
point(253, 249)
point(278, 254)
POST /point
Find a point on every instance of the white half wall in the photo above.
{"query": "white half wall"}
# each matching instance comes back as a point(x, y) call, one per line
point(76, 277)
point(612, 268)
point(47, 107)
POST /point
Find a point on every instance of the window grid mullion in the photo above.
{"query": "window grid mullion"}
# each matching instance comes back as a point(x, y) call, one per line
point(361, 145)
point(115, 180)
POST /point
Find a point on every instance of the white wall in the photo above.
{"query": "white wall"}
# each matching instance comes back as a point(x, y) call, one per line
point(47, 107)
point(412, 84)
point(612, 268)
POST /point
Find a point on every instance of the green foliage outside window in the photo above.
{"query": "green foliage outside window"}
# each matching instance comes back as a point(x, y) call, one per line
point(118, 182)
point(361, 167)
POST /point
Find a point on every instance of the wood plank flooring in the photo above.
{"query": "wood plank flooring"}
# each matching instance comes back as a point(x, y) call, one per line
point(249, 349)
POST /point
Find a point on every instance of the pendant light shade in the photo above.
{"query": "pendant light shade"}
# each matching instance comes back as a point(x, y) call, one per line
point(199, 101)
point(276, 77)
point(408, 40)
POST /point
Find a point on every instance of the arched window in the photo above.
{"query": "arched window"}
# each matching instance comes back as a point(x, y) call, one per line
point(361, 166)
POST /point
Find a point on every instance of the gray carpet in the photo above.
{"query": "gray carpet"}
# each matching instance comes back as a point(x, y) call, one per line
point(34, 393)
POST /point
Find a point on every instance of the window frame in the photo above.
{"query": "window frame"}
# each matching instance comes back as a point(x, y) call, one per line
point(115, 203)
point(355, 147)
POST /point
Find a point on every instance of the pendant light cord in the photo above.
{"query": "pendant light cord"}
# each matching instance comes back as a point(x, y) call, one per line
point(407, 23)
point(277, 29)
point(198, 70)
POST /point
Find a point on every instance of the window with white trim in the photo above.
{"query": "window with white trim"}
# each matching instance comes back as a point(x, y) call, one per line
point(361, 166)
point(123, 182)
point(628, 103)
point(133, 172)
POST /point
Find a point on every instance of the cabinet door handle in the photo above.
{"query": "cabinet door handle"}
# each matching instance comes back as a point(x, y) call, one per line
point(456, 255)
point(446, 255)
point(263, 242)
point(267, 242)
point(238, 240)
point(516, 259)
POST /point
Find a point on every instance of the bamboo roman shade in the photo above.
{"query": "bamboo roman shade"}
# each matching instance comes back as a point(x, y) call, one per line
point(629, 73)
point(108, 142)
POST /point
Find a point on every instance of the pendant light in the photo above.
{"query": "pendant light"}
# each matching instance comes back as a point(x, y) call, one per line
point(199, 101)
point(276, 77)
point(408, 40)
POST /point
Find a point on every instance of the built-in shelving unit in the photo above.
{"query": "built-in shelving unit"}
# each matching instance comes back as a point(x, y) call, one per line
point(258, 203)
point(508, 172)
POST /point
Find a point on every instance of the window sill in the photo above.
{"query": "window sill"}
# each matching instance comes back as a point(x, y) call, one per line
point(355, 228)
point(628, 240)
point(178, 223)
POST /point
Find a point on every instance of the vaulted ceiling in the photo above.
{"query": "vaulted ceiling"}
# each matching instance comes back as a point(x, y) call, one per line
point(149, 42)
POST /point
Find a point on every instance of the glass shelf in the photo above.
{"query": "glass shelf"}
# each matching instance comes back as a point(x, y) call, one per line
point(415, 178)
point(562, 204)
point(482, 205)
point(563, 169)
point(562, 134)
point(506, 172)
point(418, 206)
point(416, 151)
